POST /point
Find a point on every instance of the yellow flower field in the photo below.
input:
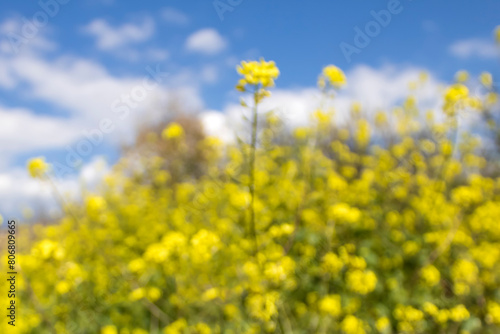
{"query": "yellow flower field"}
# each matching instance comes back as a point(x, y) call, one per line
point(386, 224)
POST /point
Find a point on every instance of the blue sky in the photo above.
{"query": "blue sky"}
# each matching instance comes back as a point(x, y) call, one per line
point(64, 76)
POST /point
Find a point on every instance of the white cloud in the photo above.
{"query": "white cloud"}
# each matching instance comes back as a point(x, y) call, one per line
point(174, 16)
point(120, 41)
point(80, 93)
point(84, 93)
point(474, 48)
point(209, 73)
point(156, 54)
point(14, 40)
point(387, 86)
point(10, 25)
point(81, 87)
point(141, 54)
point(19, 191)
point(6, 77)
point(23, 131)
point(207, 41)
point(216, 124)
point(109, 37)
point(93, 172)
point(375, 89)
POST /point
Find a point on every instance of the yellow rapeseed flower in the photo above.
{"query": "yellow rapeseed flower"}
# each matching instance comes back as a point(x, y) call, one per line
point(139, 331)
point(37, 167)
point(462, 76)
point(109, 330)
point(455, 97)
point(154, 294)
point(360, 281)
point(332, 264)
point(172, 131)
point(456, 93)
point(465, 272)
point(257, 73)
point(202, 328)
point(62, 287)
point(459, 313)
point(352, 325)
point(443, 316)
point(493, 315)
point(95, 204)
point(380, 118)
point(263, 306)
point(333, 76)
point(137, 294)
point(300, 133)
point(342, 212)
point(176, 327)
point(137, 265)
point(382, 324)
point(430, 309)
point(423, 77)
point(486, 79)
point(430, 275)
point(231, 311)
point(331, 305)
point(210, 294)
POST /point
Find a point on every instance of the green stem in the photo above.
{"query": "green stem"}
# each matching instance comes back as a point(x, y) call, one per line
point(251, 185)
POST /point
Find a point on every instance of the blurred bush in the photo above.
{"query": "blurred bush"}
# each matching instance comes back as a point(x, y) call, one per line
point(179, 144)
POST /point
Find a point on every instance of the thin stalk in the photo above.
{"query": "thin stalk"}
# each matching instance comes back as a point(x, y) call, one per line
point(251, 186)
point(62, 202)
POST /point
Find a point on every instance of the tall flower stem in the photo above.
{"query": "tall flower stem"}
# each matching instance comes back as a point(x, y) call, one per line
point(251, 185)
point(259, 75)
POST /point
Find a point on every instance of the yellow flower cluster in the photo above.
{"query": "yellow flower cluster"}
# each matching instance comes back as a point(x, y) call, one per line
point(455, 98)
point(383, 324)
point(342, 212)
point(486, 79)
point(256, 73)
point(353, 325)
point(332, 76)
point(464, 274)
point(430, 275)
point(457, 314)
point(172, 131)
point(493, 315)
point(409, 318)
point(332, 263)
point(331, 305)
point(361, 282)
point(462, 76)
point(263, 306)
point(37, 167)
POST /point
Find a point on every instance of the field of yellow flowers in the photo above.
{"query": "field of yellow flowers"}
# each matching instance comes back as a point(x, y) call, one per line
point(387, 224)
